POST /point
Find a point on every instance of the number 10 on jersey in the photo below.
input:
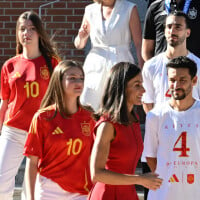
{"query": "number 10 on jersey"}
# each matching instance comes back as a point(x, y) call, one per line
point(32, 89)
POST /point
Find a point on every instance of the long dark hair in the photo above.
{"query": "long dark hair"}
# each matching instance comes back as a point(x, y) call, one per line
point(55, 91)
point(114, 102)
point(46, 46)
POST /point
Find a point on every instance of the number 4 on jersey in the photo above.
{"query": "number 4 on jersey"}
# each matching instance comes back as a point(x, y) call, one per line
point(168, 94)
point(183, 147)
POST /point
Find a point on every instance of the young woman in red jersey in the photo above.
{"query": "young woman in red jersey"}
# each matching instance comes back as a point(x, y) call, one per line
point(24, 79)
point(60, 140)
point(118, 144)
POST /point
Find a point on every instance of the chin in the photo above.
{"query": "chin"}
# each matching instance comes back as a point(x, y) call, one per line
point(138, 103)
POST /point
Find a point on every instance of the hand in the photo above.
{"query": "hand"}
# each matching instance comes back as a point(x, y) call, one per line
point(83, 32)
point(151, 181)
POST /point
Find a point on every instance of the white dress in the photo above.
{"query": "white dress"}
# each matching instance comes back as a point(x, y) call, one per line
point(109, 45)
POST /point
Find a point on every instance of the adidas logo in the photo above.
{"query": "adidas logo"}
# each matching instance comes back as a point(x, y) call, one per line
point(16, 75)
point(57, 131)
point(173, 179)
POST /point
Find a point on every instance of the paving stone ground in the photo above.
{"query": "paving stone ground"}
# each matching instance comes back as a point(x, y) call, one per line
point(17, 194)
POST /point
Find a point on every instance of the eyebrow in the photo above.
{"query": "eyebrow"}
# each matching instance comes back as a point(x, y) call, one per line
point(137, 82)
point(177, 24)
point(26, 25)
point(74, 74)
point(181, 77)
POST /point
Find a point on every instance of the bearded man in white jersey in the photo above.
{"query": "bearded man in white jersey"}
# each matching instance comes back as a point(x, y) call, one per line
point(154, 72)
point(172, 137)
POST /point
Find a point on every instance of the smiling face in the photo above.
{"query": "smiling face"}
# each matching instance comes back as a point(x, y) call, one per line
point(134, 91)
point(180, 83)
point(176, 31)
point(27, 33)
point(72, 82)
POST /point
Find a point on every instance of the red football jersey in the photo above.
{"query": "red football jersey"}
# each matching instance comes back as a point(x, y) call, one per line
point(63, 147)
point(24, 83)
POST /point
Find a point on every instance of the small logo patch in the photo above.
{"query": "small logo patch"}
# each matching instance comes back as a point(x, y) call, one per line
point(85, 128)
point(190, 178)
point(57, 131)
point(192, 13)
point(44, 72)
point(173, 179)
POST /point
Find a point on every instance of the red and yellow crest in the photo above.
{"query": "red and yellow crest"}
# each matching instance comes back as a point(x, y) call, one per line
point(44, 72)
point(190, 178)
point(85, 128)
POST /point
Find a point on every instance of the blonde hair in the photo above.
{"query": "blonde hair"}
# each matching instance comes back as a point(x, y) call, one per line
point(55, 91)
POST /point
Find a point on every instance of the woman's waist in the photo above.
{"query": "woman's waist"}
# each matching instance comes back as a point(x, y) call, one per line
point(111, 48)
point(122, 168)
point(14, 129)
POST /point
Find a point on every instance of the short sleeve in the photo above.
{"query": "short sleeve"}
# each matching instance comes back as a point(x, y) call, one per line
point(196, 88)
point(149, 95)
point(5, 88)
point(151, 136)
point(149, 31)
point(34, 141)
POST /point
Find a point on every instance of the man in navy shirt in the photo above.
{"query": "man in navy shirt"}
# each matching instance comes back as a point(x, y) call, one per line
point(153, 35)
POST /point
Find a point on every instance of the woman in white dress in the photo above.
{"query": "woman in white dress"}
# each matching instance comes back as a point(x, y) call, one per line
point(111, 26)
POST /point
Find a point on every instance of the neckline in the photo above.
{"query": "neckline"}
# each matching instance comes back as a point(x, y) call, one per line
point(166, 58)
point(111, 14)
point(22, 56)
point(182, 111)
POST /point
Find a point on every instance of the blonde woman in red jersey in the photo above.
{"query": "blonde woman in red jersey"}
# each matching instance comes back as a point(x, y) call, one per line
point(24, 79)
point(59, 142)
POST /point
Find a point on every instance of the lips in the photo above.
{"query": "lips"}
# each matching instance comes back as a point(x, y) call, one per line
point(27, 38)
point(173, 37)
point(177, 91)
point(78, 89)
point(140, 98)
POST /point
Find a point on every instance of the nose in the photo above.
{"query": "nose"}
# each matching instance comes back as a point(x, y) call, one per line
point(143, 90)
point(172, 30)
point(78, 81)
point(176, 84)
point(26, 31)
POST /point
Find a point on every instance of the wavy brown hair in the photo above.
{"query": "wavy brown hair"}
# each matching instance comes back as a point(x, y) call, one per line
point(55, 91)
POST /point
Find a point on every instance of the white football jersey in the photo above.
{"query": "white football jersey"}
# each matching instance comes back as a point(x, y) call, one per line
point(155, 79)
point(173, 138)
